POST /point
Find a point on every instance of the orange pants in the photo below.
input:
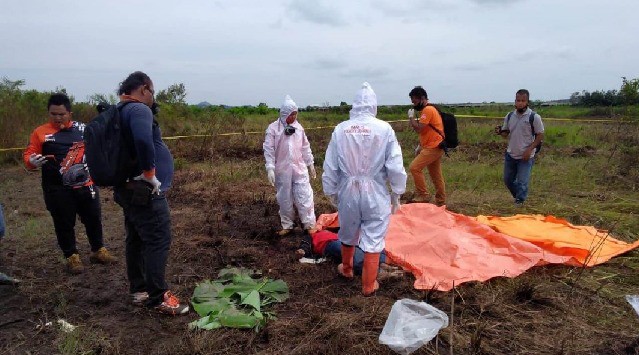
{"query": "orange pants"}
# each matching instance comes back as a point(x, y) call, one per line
point(430, 158)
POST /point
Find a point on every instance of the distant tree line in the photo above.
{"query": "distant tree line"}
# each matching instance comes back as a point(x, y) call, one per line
point(628, 94)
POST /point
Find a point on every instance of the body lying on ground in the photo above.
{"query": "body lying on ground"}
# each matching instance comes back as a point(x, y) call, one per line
point(325, 244)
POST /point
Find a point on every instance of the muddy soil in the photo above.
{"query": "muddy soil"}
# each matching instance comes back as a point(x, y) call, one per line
point(234, 224)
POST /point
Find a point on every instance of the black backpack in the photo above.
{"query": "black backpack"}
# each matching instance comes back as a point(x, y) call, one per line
point(531, 119)
point(450, 130)
point(106, 149)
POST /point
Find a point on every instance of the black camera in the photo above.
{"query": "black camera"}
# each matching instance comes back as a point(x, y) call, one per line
point(288, 130)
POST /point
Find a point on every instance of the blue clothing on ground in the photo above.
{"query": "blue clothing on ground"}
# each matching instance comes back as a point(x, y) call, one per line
point(146, 137)
point(333, 251)
point(517, 175)
point(1, 223)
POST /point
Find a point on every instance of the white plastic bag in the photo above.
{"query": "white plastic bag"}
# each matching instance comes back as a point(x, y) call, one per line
point(312, 261)
point(410, 325)
point(634, 302)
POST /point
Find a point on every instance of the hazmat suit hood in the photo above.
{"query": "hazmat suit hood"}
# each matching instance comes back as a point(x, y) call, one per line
point(289, 106)
point(365, 103)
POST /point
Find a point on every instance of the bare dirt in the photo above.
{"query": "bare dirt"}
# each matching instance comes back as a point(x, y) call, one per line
point(217, 224)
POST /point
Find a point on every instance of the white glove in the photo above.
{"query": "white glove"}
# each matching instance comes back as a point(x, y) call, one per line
point(270, 174)
point(418, 149)
point(334, 200)
point(311, 171)
point(152, 180)
point(395, 205)
point(37, 160)
point(411, 113)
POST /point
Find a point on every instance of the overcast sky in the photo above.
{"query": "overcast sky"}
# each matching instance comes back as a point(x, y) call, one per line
point(246, 52)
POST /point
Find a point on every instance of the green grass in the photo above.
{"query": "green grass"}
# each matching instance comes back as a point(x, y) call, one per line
point(586, 173)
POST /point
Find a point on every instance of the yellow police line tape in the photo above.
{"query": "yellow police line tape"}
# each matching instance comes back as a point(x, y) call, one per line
point(170, 138)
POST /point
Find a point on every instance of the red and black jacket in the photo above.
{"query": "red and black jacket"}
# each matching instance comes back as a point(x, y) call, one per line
point(49, 139)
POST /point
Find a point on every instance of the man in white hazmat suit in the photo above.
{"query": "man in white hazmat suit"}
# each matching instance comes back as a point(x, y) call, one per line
point(288, 156)
point(362, 157)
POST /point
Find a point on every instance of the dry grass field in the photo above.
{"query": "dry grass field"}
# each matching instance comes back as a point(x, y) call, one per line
point(224, 213)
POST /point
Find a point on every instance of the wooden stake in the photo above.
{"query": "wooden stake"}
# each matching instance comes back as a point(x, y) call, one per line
point(452, 316)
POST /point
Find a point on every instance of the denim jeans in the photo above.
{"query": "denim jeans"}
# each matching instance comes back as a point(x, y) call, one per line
point(517, 175)
point(333, 251)
point(148, 240)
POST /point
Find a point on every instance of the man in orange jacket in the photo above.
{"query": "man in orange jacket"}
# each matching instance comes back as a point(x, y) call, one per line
point(48, 147)
point(430, 127)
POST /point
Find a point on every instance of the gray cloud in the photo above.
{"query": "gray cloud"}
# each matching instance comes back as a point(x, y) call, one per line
point(495, 2)
point(327, 64)
point(411, 10)
point(316, 12)
point(461, 50)
point(367, 73)
point(470, 67)
point(278, 24)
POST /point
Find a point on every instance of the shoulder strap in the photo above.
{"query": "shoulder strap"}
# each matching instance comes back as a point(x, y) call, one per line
point(440, 116)
point(120, 105)
point(127, 135)
point(508, 118)
point(531, 119)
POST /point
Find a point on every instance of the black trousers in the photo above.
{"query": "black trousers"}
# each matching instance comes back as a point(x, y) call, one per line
point(64, 204)
point(148, 240)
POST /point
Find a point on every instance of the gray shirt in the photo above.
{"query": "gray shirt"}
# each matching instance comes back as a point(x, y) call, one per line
point(521, 135)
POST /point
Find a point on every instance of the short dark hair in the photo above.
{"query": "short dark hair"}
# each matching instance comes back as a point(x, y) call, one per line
point(58, 99)
point(418, 91)
point(132, 82)
point(523, 92)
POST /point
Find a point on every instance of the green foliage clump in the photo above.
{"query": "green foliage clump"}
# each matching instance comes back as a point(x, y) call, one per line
point(628, 94)
point(236, 300)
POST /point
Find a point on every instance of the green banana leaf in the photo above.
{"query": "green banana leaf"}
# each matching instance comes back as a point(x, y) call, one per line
point(236, 299)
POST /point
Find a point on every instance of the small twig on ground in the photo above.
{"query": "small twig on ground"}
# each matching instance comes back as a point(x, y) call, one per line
point(452, 316)
point(11, 322)
point(594, 249)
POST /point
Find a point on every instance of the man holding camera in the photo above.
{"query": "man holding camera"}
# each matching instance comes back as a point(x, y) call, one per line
point(428, 125)
point(525, 132)
point(289, 162)
point(48, 147)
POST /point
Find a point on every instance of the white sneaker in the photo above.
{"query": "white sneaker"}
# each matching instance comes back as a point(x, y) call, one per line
point(138, 298)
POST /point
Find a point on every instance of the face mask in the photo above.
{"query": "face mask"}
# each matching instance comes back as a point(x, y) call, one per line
point(419, 106)
point(522, 110)
point(289, 130)
point(155, 108)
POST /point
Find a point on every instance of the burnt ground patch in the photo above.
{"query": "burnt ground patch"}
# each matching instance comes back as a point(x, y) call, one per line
point(217, 224)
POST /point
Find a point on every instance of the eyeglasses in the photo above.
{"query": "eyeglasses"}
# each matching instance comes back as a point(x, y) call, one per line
point(151, 90)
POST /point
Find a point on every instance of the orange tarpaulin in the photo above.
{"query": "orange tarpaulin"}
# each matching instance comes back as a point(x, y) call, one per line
point(587, 245)
point(440, 247)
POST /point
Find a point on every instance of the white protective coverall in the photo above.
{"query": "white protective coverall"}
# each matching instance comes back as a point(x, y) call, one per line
point(362, 157)
point(289, 156)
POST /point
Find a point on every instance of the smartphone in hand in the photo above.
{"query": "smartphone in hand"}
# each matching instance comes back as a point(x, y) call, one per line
point(498, 130)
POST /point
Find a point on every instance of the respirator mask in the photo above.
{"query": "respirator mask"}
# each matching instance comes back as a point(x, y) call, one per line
point(289, 130)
